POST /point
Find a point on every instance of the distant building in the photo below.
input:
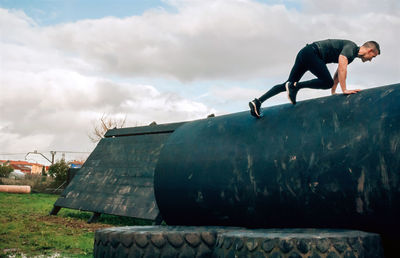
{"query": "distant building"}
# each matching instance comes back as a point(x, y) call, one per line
point(25, 166)
point(76, 163)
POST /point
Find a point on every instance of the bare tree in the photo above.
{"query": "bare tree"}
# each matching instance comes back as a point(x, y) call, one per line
point(106, 123)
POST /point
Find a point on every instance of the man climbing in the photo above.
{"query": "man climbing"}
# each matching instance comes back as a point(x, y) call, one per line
point(314, 57)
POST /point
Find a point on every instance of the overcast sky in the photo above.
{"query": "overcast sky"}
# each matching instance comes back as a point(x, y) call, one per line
point(63, 64)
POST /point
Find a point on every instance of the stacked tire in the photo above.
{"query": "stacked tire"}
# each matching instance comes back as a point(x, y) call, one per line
point(155, 241)
point(296, 243)
point(166, 241)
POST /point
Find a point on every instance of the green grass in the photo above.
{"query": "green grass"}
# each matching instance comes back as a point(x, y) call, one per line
point(27, 229)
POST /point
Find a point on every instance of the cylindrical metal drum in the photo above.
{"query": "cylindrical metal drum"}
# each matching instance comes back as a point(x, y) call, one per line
point(328, 162)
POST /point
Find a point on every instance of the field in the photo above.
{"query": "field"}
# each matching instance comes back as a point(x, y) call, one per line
point(27, 230)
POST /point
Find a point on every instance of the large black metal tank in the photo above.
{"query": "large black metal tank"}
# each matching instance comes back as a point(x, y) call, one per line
point(328, 162)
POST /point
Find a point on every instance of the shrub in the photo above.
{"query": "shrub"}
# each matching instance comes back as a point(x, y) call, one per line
point(5, 170)
point(44, 171)
point(59, 171)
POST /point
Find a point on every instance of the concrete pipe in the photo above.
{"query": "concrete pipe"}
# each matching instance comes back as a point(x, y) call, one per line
point(15, 189)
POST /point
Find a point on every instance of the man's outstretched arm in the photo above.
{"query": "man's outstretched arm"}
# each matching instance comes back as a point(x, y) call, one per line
point(342, 74)
point(335, 82)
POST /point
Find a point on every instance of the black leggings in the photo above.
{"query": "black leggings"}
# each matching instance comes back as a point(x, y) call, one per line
point(308, 59)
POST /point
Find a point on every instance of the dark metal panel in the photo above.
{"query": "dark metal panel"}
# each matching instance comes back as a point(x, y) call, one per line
point(118, 176)
point(151, 129)
point(327, 162)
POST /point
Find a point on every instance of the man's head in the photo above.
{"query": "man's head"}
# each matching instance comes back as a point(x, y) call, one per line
point(369, 50)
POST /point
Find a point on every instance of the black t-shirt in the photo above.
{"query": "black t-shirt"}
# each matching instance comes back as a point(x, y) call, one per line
point(330, 49)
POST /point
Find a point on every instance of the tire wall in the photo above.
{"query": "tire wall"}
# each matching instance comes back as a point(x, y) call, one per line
point(227, 242)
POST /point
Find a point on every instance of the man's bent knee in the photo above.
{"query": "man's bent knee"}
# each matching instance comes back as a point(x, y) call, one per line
point(327, 84)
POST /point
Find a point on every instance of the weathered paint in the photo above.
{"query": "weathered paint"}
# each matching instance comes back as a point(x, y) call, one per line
point(327, 162)
point(117, 178)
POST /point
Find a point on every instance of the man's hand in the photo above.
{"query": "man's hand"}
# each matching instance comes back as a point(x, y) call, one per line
point(347, 92)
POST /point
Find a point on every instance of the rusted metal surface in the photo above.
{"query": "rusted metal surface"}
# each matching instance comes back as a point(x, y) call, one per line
point(328, 162)
point(118, 176)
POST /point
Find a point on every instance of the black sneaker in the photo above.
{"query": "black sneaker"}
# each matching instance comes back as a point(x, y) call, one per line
point(255, 108)
point(291, 92)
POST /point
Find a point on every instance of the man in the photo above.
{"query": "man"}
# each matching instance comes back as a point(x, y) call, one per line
point(314, 57)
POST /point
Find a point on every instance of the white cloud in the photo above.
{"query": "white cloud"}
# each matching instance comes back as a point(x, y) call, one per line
point(234, 93)
point(50, 97)
point(352, 7)
point(56, 102)
point(200, 41)
point(221, 39)
point(55, 80)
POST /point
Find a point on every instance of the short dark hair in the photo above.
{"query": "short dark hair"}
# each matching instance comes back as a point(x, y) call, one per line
point(374, 45)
